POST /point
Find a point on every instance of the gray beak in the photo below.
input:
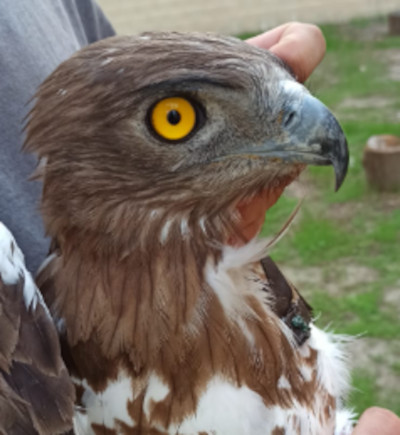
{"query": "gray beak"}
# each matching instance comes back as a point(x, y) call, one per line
point(306, 133)
point(313, 136)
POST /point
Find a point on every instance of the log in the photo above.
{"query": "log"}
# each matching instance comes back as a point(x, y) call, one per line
point(394, 23)
point(382, 162)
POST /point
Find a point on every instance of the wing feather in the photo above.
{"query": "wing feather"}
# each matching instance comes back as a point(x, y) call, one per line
point(36, 392)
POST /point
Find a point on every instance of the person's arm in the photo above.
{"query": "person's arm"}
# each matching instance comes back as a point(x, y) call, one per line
point(87, 17)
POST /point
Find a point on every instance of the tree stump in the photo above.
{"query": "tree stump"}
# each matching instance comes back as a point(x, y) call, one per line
point(382, 162)
point(394, 23)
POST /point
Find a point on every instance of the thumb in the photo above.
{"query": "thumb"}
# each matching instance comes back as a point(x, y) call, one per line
point(378, 421)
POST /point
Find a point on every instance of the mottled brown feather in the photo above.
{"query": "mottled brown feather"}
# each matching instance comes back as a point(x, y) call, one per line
point(36, 394)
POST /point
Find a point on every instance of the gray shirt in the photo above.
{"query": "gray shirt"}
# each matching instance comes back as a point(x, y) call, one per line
point(35, 36)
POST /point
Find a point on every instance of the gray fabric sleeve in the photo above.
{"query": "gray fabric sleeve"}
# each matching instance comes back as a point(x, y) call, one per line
point(90, 18)
point(35, 37)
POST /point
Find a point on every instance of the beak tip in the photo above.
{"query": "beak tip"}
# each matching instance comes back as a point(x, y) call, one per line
point(338, 184)
point(341, 164)
point(317, 125)
point(340, 176)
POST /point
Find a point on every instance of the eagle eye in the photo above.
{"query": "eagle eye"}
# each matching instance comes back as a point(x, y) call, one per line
point(173, 118)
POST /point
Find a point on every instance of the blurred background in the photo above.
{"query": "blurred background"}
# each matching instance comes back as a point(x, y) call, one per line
point(343, 251)
point(234, 16)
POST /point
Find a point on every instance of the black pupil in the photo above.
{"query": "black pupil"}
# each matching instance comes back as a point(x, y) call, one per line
point(173, 117)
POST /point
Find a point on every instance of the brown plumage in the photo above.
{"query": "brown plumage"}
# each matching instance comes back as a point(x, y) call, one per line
point(36, 392)
point(155, 316)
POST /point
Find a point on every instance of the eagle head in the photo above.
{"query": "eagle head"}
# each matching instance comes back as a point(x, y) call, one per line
point(144, 134)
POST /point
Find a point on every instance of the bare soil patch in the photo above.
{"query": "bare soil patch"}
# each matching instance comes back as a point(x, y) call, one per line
point(391, 299)
point(377, 357)
point(340, 278)
point(374, 31)
point(375, 102)
point(392, 57)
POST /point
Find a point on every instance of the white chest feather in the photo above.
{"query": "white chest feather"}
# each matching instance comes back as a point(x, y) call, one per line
point(225, 407)
point(108, 408)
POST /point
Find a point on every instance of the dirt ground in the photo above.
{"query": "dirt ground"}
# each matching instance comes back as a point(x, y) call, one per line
point(393, 60)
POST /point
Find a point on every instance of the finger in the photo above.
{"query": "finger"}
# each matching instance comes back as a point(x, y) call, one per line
point(302, 46)
point(378, 421)
point(268, 39)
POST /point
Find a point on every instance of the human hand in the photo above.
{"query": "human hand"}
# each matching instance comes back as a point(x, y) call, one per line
point(378, 421)
point(302, 46)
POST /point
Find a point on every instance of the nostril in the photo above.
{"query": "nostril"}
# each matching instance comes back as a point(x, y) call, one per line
point(289, 119)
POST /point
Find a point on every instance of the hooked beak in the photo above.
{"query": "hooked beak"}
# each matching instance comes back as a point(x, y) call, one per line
point(314, 136)
point(308, 133)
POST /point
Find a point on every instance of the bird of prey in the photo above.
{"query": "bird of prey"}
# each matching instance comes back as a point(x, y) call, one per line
point(171, 319)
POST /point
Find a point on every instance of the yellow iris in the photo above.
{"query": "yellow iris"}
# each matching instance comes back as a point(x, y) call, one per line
point(173, 118)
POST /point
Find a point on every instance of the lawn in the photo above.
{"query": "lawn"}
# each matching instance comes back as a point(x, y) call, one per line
point(343, 251)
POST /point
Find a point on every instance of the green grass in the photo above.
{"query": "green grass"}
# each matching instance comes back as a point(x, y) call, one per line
point(396, 367)
point(356, 68)
point(363, 394)
point(356, 314)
